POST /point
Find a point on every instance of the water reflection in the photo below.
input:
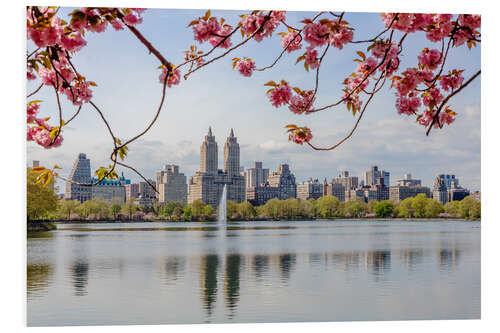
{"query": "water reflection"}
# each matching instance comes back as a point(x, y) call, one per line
point(232, 282)
point(260, 265)
point(38, 278)
point(174, 267)
point(379, 262)
point(287, 262)
point(80, 275)
point(411, 258)
point(208, 281)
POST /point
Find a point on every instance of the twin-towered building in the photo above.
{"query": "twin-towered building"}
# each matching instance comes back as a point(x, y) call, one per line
point(208, 183)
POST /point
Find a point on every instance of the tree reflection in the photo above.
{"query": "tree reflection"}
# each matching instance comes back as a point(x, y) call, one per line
point(232, 282)
point(208, 281)
point(38, 278)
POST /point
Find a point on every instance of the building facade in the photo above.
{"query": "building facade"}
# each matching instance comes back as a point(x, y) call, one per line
point(283, 179)
point(112, 190)
point(311, 189)
point(371, 176)
point(348, 182)
point(80, 173)
point(337, 190)
point(401, 192)
point(208, 183)
point(439, 190)
point(256, 176)
point(171, 184)
point(408, 181)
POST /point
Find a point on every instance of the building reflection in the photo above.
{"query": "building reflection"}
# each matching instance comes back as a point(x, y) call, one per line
point(448, 253)
point(173, 267)
point(208, 281)
point(232, 282)
point(378, 262)
point(260, 265)
point(38, 278)
point(80, 274)
point(346, 260)
point(411, 257)
point(287, 262)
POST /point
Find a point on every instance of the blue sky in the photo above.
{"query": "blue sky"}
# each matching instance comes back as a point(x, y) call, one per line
point(128, 92)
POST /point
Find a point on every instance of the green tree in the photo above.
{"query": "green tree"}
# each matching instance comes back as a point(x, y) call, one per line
point(247, 210)
point(208, 210)
point(328, 206)
point(406, 208)
point(129, 208)
point(41, 200)
point(470, 208)
point(355, 208)
point(176, 214)
point(168, 209)
point(433, 208)
point(271, 208)
point(370, 206)
point(290, 208)
point(452, 208)
point(419, 203)
point(114, 209)
point(231, 208)
point(87, 208)
point(187, 212)
point(383, 209)
point(66, 207)
point(306, 208)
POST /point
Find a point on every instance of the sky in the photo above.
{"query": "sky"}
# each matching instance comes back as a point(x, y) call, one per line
point(128, 92)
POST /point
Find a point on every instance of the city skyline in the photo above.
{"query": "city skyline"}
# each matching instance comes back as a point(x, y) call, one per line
point(384, 138)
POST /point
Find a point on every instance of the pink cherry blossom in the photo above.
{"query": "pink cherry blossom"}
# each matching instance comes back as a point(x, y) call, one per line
point(291, 41)
point(173, 79)
point(445, 118)
point(366, 66)
point(341, 37)
point(430, 58)
point(73, 42)
point(245, 67)
point(204, 30)
point(451, 81)
point(426, 118)
point(408, 106)
point(471, 21)
point(316, 34)
point(301, 103)
point(300, 135)
point(280, 95)
point(312, 58)
point(219, 36)
point(432, 97)
point(131, 19)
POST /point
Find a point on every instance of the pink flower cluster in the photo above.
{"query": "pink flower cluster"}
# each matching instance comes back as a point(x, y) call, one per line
point(213, 32)
point(173, 79)
point(316, 34)
point(340, 36)
point(312, 58)
point(281, 94)
point(391, 62)
point(432, 97)
point(407, 105)
point(452, 80)
point(40, 131)
point(302, 102)
point(300, 135)
point(430, 59)
point(245, 66)
point(250, 23)
point(291, 41)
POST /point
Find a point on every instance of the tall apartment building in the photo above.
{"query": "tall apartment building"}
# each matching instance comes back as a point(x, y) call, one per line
point(171, 184)
point(284, 179)
point(348, 182)
point(371, 176)
point(256, 176)
point(140, 189)
point(280, 185)
point(80, 173)
point(110, 190)
point(448, 180)
point(408, 181)
point(337, 190)
point(457, 193)
point(400, 192)
point(208, 183)
point(439, 190)
point(311, 189)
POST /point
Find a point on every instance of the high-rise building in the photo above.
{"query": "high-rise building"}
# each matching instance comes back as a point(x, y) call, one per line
point(448, 180)
point(311, 189)
point(208, 183)
point(349, 182)
point(110, 190)
point(337, 190)
point(209, 154)
point(256, 176)
point(371, 176)
point(140, 189)
point(400, 192)
point(80, 173)
point(171, 184)
point(440, 191)
point(408, 181)
point(457, 193)
point(284, 179)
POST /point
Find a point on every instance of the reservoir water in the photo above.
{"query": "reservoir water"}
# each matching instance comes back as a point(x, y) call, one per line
point(169, 273)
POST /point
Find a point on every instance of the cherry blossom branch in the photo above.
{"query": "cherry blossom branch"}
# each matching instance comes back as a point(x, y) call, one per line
point(436, 115)
point(210, 51)
point(34, 92)
point(355, 125)
point(299, 34)
point(74, 116)
point(266, 18)
point(31, 54)
point(362, 81)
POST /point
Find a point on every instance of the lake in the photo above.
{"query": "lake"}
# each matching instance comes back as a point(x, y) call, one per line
point(171, 273)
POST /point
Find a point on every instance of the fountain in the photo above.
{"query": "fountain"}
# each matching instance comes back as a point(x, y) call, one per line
point(222, 207)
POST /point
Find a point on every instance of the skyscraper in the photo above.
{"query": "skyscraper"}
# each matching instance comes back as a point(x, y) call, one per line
point(171, 184)
point(371, 176)
point(80, 174)
point(208, 183)
point(256, 176)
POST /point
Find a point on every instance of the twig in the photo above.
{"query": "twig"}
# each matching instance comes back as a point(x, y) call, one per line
point(34, 92)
